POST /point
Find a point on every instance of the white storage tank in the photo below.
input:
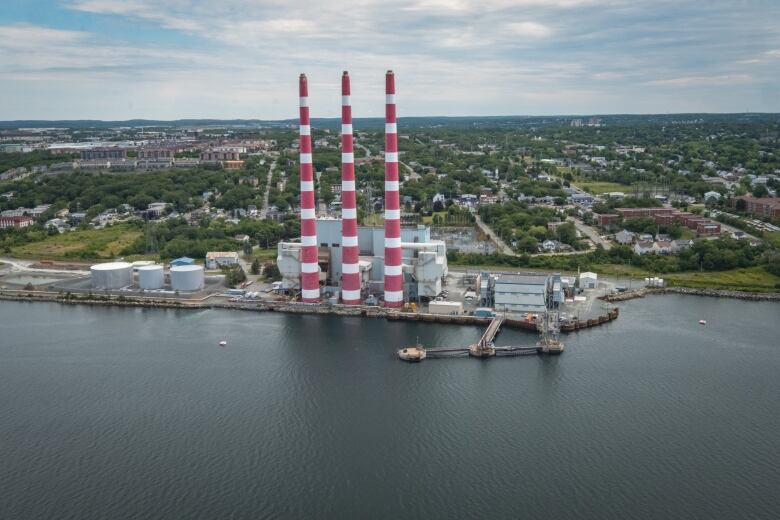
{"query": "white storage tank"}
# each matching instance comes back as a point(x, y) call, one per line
point(112, 275)
point(187, 277)
point(151, 277)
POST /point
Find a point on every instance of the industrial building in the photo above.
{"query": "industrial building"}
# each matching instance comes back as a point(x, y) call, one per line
point(217, 259)
point(336, 257)
point(521, 292)
point(423, 261)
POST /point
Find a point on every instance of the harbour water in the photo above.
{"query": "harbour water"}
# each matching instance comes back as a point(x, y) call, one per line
point(139, 413)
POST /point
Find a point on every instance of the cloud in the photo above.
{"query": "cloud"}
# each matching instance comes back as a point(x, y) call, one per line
point(530, 29)
point(697, 81)
point(242, 57)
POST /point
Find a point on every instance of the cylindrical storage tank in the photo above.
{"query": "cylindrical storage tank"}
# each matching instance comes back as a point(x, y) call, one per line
point(187, 277)
point(150, 277)
point(112, 275)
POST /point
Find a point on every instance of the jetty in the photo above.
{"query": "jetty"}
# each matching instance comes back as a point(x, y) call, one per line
point(486, 348)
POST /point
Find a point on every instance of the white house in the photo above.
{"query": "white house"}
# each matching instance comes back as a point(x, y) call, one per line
point(712, 195)
point(644, 247)
point(624, 237)
point(663, 247)
point(217, 259)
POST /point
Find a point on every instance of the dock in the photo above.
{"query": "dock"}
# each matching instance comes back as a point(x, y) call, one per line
point(485, 347)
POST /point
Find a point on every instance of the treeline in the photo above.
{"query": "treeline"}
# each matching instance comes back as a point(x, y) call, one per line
point(525, 226)
point(11, 160)
point(93, 193)
point(704, 255)
point(176, 238)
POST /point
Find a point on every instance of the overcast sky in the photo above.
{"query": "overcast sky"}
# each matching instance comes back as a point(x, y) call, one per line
point(169, 59)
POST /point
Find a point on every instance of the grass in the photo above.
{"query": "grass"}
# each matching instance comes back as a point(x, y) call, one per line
point(83, 244)
point(429, 220)
point(374, 219)
point(752, 279)
point(599, 187)
point(264, 255)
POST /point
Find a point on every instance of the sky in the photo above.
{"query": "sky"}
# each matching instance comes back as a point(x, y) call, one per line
point(171, 59)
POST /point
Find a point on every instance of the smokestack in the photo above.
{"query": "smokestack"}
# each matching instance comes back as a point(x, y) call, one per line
point(310, 270)
point(394, 294)
point(350, 270)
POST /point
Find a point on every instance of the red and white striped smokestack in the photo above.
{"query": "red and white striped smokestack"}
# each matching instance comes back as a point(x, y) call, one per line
point(394, 294)
point(310, 271)
point(350, 270)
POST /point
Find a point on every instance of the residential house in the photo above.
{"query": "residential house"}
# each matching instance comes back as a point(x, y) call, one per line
point(624, 237)
point(644, 247)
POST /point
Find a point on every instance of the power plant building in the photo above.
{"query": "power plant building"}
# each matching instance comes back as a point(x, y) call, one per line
point(423, 260)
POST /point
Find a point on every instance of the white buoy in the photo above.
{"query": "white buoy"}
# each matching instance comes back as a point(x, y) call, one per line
point(222, 343)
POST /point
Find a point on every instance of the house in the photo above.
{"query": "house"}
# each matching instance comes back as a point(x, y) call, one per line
point(679, 245)
point(155, 209)
point(712, 196)
point(581, 198)
point(645, 237)
point(624, 237)
point(77, 218)
point(663, 247)
point(550, 245)
point(217, 259)
point(18, 221)
point(644, 247)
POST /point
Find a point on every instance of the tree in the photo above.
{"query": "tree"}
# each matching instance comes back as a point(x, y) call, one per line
point(271, 272)
point(255, 267)
point(248, 248)
point(759, 190)
point(567, 233)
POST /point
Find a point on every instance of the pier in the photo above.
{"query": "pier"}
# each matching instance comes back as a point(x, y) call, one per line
point(486, 347)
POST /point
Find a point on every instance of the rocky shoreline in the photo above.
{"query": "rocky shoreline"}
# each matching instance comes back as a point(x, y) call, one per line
point(718, 293)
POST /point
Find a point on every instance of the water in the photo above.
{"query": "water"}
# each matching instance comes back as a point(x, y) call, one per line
point(130, 413)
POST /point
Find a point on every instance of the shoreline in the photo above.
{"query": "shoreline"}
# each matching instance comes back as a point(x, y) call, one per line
point(305, 308)
point(690, 291)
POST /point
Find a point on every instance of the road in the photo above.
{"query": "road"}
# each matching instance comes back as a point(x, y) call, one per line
point(493, 237)
point(413, 175)
point(591, 233)
point(264, 209)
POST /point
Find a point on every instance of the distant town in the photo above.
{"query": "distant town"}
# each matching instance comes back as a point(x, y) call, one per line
point(690, 199)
